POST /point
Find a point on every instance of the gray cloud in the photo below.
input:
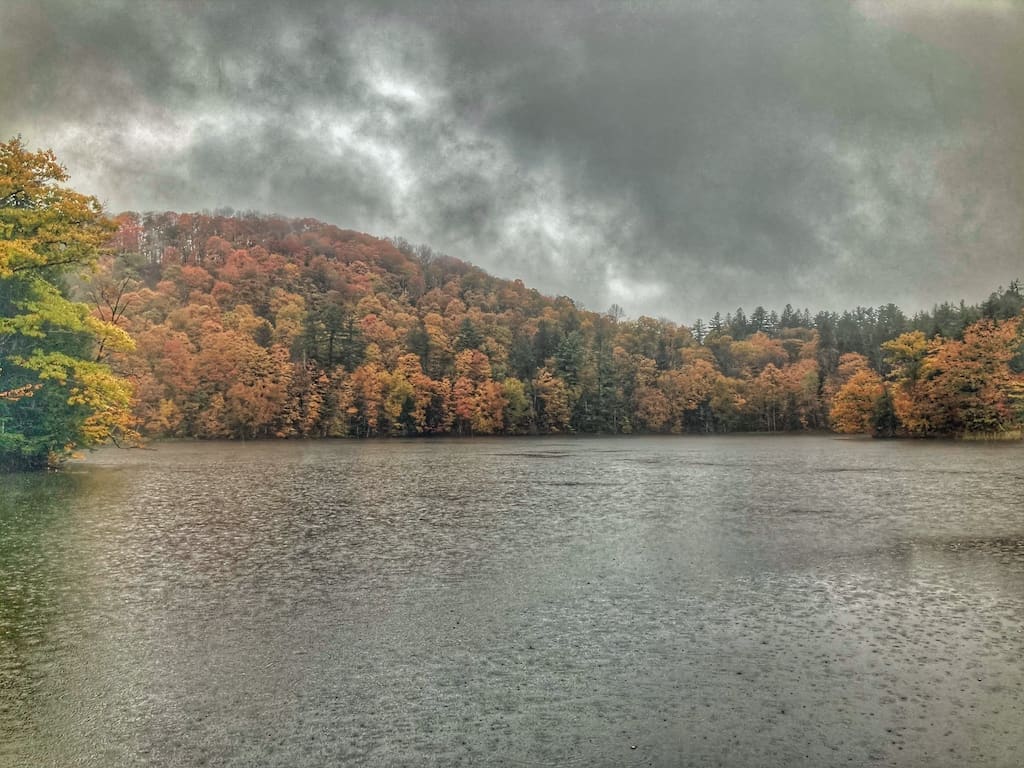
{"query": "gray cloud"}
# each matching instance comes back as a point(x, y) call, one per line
point(673, 158)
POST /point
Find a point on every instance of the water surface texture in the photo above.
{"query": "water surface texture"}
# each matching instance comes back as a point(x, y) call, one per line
point(670, 602)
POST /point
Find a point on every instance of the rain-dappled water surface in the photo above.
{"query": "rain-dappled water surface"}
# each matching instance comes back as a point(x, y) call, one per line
point(694, 601)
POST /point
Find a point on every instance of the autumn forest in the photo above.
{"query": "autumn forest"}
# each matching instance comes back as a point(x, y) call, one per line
point(248, 326)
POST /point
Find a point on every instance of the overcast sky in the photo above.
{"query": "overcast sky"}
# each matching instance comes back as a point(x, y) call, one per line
point(676, 158)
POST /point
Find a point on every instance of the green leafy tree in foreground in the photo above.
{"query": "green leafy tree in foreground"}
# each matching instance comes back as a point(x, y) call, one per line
point(55, 392)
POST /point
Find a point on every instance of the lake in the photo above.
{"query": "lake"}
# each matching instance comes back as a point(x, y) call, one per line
point(719, 601)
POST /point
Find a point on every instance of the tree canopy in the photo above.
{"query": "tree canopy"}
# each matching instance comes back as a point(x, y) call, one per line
point(252, 326)
point(56, 391)
point(258, 326)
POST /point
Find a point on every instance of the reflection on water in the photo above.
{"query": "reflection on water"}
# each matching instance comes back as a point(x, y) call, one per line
point(733, 601)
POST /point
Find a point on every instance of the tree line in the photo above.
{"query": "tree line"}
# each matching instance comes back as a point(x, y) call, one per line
point(250, 326)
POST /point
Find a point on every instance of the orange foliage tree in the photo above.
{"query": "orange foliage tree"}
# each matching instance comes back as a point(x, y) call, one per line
point(267, 327)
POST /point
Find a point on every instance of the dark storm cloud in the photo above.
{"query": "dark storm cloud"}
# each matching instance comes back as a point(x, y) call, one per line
point(978, 209)
point(674, 158)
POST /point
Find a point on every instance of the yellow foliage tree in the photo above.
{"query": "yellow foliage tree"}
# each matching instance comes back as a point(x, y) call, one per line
point(50, 346)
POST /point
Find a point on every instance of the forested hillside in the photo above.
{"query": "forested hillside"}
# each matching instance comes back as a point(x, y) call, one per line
point(250, 327)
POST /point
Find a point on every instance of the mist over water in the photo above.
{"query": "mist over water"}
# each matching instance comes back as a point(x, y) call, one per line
point(678, 601)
